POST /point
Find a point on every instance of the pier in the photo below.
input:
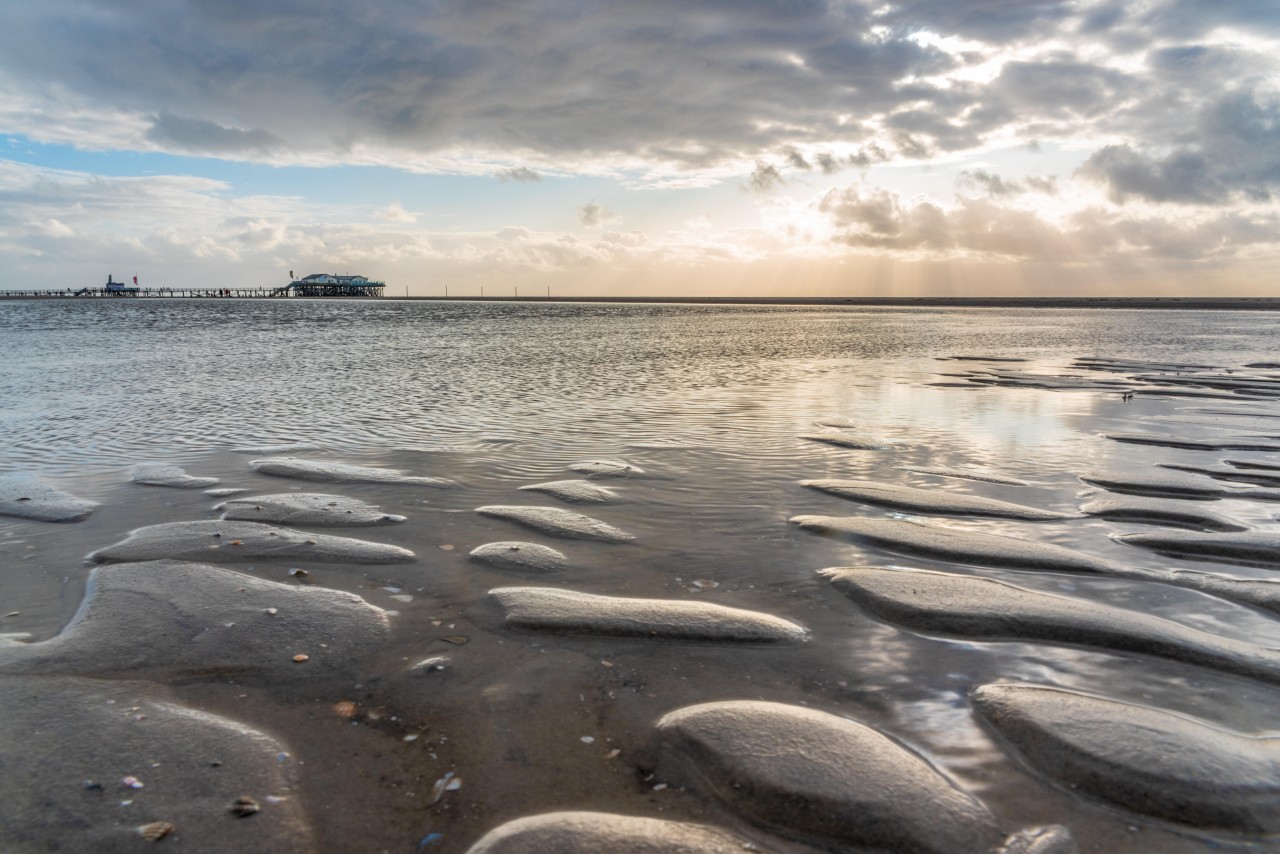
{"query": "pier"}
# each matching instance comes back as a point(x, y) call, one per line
point(151, 293)
point(316, 285)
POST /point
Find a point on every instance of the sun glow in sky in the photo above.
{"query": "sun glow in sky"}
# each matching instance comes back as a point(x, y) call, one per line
point(797, 147)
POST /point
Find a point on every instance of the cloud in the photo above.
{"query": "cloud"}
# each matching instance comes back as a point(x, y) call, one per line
point(521, 174)
point(871, 218)
point(764, 178)
point(994, 186)
point(198, 136)
point(1230, 151)
point(594, 214)
point(395, 212)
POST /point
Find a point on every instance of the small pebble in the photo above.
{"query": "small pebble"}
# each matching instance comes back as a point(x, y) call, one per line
point(300, 657)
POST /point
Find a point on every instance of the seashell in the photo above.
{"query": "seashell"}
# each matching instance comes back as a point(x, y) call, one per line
point(345, 709)
point(300, 657)
point(243, 807)
point(156, 830)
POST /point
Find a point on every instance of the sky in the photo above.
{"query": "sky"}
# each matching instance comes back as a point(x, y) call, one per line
point(645, 147)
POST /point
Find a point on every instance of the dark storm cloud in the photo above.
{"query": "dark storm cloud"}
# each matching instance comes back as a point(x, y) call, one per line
point(198, 136)
point(557, 82)
point(695, 84)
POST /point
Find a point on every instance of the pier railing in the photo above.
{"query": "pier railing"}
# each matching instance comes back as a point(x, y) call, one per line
point(188, 293)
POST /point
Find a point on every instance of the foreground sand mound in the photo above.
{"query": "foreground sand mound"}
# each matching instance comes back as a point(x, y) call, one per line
point(27, 497)
point(155, 474)
point(307, 508)
point(88, 765)
point(1160, 764)
point(167, 620)
point(558, 522)
point(519, 557)
point(931, 500)
point(594, 832)
point(1155, 511)
point(230, 542)
point(984, 609)
point(606, 468)
point(966, 474)
point(576, 491)
point(816, 776)
point(568, 612)
point(328, 472)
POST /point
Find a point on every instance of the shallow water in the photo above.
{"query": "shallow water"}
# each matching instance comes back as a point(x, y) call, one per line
point(710, 402)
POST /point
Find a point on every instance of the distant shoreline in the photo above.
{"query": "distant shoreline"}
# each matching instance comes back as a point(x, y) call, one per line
point(1166, 303)
point(1184, 303)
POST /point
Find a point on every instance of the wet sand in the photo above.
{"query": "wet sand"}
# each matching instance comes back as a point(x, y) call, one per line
point(400, 707)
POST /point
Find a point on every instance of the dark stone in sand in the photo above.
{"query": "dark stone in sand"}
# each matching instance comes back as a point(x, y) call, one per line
point(1169, 766)
point(519, 557)
point(68, 745)
point(328, 472)
point(1235, 443)
point(1249, 548)
point(173, 620)
point(576, 491)
point(1154, 511)
point(307, 508)
point(566, 611)
point(28, 498)
point(606, 468)
point(154, 474)
point(931, 500)
point(984, 609)
point(230, 542)
point(282, 448)
point(558, 522)
point(815, 776)
point(967, 474)
point(596, 832)
point(848, 440)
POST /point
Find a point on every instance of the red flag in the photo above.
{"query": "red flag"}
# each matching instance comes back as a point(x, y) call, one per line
point(135, 279)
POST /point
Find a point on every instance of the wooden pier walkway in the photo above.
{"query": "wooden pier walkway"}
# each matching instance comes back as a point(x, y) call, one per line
point(152, 293)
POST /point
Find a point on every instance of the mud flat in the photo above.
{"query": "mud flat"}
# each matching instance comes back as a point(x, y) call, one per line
point(323, 471)
point(568, 612)
point(986, 609)
point(816, 776)
point(27, 497)
point(171, 619)
point(307, 509)
point(558, 522)
point(235, 542)
point(106, 766)
point(932, 501)
point(1160, 764)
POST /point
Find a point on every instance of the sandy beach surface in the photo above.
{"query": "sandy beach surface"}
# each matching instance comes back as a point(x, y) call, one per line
point(448, 577)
